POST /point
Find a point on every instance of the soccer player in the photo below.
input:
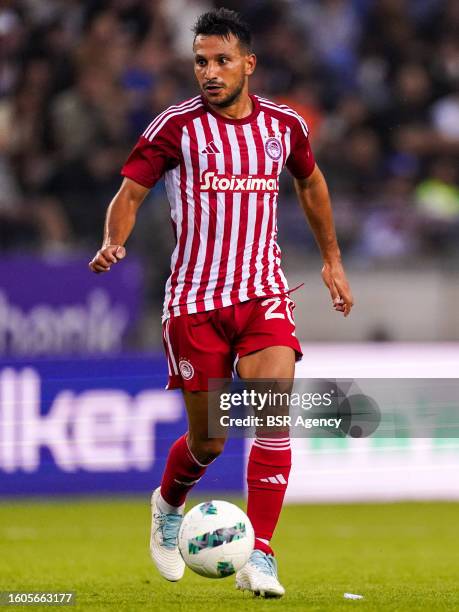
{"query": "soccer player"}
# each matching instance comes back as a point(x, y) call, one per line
point(227, 301)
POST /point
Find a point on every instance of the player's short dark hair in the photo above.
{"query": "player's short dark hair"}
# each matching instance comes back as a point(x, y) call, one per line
point(224, 22)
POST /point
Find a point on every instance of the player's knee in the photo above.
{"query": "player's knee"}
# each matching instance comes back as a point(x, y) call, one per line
point(207, 450)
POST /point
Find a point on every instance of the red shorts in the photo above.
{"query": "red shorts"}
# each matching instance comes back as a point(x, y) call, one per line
point(208, 344)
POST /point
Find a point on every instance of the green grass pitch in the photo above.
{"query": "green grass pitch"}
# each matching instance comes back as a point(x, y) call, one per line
point(400, 557)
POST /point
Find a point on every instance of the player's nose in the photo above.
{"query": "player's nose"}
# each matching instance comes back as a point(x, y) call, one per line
point(211, 71)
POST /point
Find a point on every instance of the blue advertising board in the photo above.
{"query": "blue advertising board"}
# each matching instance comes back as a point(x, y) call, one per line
point(56, 306)
point(95, 426)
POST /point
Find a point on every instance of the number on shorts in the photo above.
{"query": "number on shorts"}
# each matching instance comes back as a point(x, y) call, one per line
point(271, 311)
point(289, 311)
point(274, 304)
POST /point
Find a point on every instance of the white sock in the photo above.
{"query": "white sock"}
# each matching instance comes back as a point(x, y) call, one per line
point(167, 508)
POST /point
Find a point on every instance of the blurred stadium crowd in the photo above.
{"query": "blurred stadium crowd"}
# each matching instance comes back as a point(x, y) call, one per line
point(376, 80)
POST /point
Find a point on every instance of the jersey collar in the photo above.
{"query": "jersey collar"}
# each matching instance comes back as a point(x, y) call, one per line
point(248, 119)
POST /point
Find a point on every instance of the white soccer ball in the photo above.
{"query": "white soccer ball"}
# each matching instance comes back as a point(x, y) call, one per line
point(216, 539)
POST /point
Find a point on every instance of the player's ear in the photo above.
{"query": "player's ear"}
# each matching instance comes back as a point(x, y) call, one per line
point(250, 63)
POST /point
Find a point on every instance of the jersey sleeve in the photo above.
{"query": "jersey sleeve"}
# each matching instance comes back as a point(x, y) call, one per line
point(154, 154)
point(301, 160)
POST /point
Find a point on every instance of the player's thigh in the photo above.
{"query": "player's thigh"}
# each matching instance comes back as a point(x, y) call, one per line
point(275, 366)
point(271, 362)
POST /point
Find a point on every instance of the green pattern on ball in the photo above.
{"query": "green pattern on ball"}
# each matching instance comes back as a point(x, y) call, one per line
point(225, 568)
point(216, 538)
point(208, 508)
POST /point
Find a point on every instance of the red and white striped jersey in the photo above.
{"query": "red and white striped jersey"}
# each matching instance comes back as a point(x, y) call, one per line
point(222, 182)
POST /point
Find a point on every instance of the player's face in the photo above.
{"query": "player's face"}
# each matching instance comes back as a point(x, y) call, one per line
point(222, 67)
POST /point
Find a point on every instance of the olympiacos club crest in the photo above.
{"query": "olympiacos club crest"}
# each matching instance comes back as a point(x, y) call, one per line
point(273, 148)
point(186, 369)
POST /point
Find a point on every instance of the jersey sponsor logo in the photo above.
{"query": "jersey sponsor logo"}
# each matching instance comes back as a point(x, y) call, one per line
point(273, 148)
point(186, 369)
point(211, 181)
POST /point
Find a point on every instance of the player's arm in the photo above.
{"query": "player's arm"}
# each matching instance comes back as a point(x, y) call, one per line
point(119, 222)
point(314, 199)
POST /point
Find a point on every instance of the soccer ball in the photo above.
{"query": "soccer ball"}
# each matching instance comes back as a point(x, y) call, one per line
point(216, 539)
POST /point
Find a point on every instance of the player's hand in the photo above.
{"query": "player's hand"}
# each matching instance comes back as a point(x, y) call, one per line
point(335, 278)
point(106, 256)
